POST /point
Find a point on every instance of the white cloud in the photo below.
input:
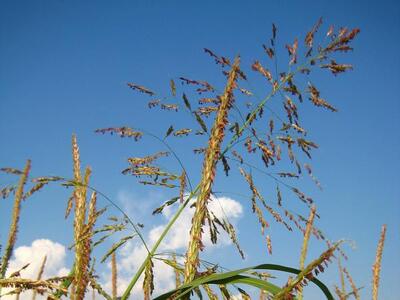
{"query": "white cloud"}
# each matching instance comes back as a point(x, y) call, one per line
point(34, 254)
point(132, 255)
point(138, 207)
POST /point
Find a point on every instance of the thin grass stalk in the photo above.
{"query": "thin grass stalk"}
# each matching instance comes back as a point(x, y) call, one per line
point(352, 284)
point(339, 293)
point(342, 282)
point(208, 174)
point(304, 247)
point(114, 275)
point(40, 274)
point(12, 232)
point(376, 268)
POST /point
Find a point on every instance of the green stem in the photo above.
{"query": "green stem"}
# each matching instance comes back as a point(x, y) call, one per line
point(157, 244)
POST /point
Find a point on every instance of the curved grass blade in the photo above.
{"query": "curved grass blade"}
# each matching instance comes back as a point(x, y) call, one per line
point(235, 277)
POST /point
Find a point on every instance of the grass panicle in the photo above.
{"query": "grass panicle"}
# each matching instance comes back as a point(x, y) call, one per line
point(376, 268)
point(148, 281)
point(316, 266)
point(83, 229)
point(13, 230)
point(208, 174)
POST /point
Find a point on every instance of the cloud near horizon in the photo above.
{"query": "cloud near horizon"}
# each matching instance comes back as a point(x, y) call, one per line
point(34, 255)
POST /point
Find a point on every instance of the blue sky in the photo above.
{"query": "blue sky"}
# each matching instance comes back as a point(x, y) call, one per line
point(64, 66)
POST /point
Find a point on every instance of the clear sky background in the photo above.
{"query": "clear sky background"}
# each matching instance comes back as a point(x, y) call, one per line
point(64, 66)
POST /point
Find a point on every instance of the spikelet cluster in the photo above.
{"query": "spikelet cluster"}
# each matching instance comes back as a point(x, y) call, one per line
point(41, 286)
point(208, 174)
point(312, 269)
point(84, 220)
point(148, 281)
point(376, 268)
point(12, 233)
point(122, 132)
